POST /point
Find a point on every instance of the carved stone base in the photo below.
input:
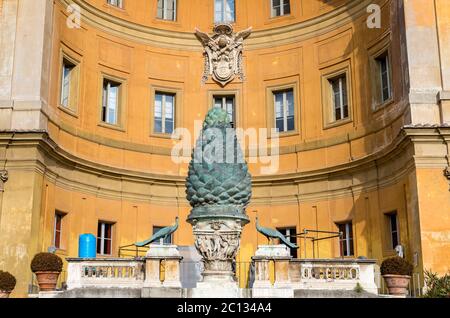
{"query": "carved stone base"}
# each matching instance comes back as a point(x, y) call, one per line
point(218, 242)
point(216, 289)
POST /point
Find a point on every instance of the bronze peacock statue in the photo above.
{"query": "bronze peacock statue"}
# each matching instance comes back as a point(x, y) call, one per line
point(272, 233)
point(161, 234)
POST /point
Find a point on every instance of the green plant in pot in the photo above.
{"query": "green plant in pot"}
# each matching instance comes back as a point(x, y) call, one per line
point(397, 273)
point(7, 284)
point(47, 267)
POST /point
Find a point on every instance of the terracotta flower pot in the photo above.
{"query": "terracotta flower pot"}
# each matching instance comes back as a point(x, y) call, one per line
point(4, 294)
point(47, 280)
point(397, 284)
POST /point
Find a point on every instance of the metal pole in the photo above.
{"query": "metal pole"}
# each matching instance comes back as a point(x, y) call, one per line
point(304, 240)
point(314, 252)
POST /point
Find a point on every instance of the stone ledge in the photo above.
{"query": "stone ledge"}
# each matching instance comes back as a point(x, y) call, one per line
point(315, 293)
point(444, 95)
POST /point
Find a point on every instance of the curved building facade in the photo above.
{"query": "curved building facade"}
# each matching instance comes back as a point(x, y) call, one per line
point(91, 91)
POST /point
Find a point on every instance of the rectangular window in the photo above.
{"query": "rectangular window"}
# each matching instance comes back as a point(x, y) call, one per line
point(280, 7)
point(167, 10)
point(66, 82)
point(167, 240)
point(284, 110)
point(393, 230)
point(227, 102)
point(116, 3)
point(385, 77)
point(224, 11)
point(104, 238)
point(291, 234)
point(57, 231)
point(164, 114)
point(339, 96)
point(111, 101)
point(346, 240)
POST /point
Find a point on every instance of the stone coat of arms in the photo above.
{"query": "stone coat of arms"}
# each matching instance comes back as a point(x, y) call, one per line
point(223, 53)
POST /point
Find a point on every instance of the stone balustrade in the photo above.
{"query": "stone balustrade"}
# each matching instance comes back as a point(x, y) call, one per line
point(313, 274)
point(123, 273)
point(333, 274)
point(105, 272)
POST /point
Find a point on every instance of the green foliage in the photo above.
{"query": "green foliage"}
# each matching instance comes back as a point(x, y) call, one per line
point(358, 288)
point(46, 262)
point(396, 266)
point(7, 282)
point(437, 287)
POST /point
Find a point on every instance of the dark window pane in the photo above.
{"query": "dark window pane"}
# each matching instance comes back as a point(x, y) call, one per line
point(280, 124)
point(290, 123)
point(108, 231)
point(107, 250)
point(345, 111)
point(338, 114)
point(287, 7)
point(158, 125)
point(169, 126)
point(57, 239)
point(99, 242)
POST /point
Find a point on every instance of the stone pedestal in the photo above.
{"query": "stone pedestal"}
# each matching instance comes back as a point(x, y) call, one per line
point(262, 274)
point(262, 286)
point(152, 272)
point(162, 251)
point(172, 272)
point(217, 241)
point(216, 289)
point(171, 257)
point(282, 272)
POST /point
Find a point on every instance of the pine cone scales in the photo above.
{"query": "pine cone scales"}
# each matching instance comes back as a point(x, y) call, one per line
point(212, 179)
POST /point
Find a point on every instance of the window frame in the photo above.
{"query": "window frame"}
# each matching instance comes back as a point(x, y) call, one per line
point(62, 216)
point(270, 108)
point(163, 18)
point(384, 58)
point(120, 3)
point(390, 241)
point(282, 14)
point(348, 237)
point(74, 95)
point(328, 74)
point(285, 105)
point(342, 92)
point(223, 12)
point(178, 108)
point(122, 98)
point(381, 47)
point(164, 96)
point(102, 239)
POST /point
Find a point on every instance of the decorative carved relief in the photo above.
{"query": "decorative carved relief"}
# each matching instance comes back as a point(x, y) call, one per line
point(218, 243)
point(223, 53)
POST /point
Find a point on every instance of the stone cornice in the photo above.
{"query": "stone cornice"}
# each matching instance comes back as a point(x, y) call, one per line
point(186, 40)
point(373, 172)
